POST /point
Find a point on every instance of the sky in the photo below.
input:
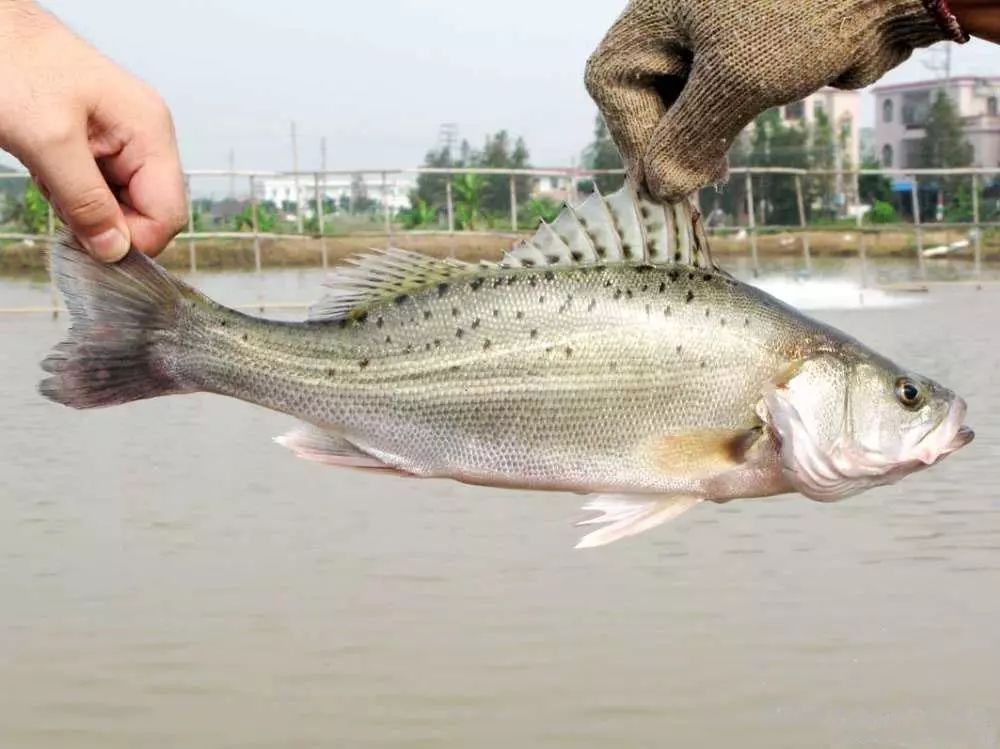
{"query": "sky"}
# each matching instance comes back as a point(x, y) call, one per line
point(375, 77)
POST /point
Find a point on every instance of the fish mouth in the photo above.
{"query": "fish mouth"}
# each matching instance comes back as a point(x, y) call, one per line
point(939, 444)
point(962, 437)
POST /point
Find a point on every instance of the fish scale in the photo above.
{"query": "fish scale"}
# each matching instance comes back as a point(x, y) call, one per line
point(628, 347)
point(608, 354)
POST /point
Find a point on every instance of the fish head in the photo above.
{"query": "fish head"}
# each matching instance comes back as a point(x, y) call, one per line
point(847, 421)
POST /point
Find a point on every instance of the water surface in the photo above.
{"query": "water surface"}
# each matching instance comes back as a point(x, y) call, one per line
point(169, 577)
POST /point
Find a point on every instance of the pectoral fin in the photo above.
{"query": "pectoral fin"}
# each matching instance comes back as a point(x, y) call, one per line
point(629, 515)
point(702, 454)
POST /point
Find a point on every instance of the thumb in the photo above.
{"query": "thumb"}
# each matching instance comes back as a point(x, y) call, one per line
point(83, 199)
point(688, 148)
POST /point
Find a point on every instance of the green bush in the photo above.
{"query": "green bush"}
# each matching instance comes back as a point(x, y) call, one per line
point(883, 213)
point(420, 214)
point(537, 210)
point(33, 213)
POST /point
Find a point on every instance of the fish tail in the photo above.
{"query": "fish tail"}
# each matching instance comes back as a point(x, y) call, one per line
point(123, 320)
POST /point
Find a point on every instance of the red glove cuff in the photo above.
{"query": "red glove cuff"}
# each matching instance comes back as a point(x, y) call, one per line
point(946, 20)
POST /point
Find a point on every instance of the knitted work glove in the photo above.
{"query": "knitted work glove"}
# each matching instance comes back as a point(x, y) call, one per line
point(677, 80)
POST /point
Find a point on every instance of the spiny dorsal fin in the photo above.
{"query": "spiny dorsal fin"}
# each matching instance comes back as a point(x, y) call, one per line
point(622, 227)
point(619, 228)
point(382, 275)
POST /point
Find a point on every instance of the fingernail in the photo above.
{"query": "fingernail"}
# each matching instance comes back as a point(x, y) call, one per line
point(109, 246)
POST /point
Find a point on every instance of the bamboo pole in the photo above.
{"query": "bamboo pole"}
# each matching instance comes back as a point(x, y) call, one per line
point(978, 247)
point(192, 251)
point(752, 225)
point(513, 203)
point(800, 200)
point(918, 228)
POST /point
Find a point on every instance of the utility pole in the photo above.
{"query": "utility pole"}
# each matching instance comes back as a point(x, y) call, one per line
point(947, 66)
point(322, 168)
point(448, 137)
point(298, 186)
point(231, 162)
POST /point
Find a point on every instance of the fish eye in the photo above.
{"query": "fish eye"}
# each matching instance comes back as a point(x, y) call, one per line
point(908, 392)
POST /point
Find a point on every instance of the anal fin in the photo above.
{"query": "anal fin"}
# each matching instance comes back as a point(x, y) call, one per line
point(321, 446)
point(629, 515)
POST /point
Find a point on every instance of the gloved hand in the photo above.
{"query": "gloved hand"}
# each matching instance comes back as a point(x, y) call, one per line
point(677, 80)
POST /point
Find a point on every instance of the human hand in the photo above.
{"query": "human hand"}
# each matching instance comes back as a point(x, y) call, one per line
point(979, 18)
point(99, 143)
point(677, 80)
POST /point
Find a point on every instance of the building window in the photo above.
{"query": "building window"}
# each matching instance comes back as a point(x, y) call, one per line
point(795, 111)
point(887, 110)
point(887, 155)
point(916, 108)
point(992, 107)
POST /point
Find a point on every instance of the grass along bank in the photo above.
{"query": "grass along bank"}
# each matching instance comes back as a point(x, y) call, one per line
point(18, 258)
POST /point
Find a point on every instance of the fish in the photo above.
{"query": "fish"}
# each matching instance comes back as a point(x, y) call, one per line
point(608, 356)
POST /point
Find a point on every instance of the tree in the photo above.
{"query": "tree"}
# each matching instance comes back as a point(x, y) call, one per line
point(419, 214)
point(267, 218)
point(359, 200)
point(775, 144)
point(602, 153)
point(499, 153)
point(468, 189)
point(493, 191)
point(432, 188)
point(944, 146)
point(874, 187)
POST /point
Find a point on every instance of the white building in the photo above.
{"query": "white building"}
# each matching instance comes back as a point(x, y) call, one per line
point(558, 188)
point(281, 190)
point(842, 109)
point(901, 111)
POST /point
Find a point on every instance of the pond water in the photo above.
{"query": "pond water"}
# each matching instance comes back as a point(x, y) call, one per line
point(169, 577)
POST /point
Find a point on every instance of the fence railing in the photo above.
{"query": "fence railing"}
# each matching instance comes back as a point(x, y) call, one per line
point(386, 183)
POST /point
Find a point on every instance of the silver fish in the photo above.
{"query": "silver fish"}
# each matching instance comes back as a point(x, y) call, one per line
point(608, 356)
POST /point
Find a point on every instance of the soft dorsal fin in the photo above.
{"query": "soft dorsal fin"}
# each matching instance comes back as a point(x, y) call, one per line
point(622, 227)
point(385, 274)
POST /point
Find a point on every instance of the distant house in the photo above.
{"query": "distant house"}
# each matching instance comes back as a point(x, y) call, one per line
point(842, 109)
point(225, 210)
point(556, 188)
point(283, 190)
point(901, 111)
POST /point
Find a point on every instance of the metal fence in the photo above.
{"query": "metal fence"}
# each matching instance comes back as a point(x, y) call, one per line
point(752, 181)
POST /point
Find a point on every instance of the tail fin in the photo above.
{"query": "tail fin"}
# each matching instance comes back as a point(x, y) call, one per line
point(121, 315)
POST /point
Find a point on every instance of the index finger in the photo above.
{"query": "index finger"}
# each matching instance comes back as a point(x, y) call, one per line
point(634, 76)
